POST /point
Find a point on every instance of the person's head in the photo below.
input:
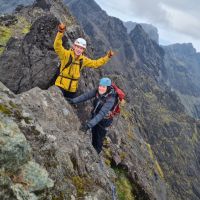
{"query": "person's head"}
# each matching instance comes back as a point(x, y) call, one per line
point(104, 83)
point(79, 46)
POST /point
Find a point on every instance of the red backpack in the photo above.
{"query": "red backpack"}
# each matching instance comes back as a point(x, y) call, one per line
point(120, 98)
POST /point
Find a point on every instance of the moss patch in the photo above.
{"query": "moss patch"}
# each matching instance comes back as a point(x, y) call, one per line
point(82, 184)
point(156, 164)
point(159, 170)
point(23, 25)
point(123, 186)
point(5, 35)
point(5, 110)
point(127, 188)
point(19, 29)
point(124, 113)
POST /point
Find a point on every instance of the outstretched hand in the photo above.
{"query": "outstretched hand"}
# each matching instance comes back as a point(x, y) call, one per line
point(84, 128)
point(61, 28)
point(110, 53)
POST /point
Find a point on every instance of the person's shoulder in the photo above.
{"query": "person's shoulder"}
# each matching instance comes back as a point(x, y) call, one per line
point(84, 57)
point(112, 93)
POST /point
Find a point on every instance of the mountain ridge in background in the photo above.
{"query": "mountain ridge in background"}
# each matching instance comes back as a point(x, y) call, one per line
point(151, 30)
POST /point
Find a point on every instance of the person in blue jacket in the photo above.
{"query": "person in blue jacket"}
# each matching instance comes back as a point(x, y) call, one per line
point(104, 102)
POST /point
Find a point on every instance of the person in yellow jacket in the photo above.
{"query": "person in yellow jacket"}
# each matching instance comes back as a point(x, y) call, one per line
point(72, 62)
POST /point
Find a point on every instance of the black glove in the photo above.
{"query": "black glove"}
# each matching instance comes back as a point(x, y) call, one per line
point(84, 128)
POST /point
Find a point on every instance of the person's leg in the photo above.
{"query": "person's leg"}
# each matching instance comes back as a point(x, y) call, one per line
point(95, 137)
point(98, 135)
point(105, 123)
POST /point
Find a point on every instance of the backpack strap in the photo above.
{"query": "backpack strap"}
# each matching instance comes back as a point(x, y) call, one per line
point(68, 63)
point(66, 66)
point(81, 64)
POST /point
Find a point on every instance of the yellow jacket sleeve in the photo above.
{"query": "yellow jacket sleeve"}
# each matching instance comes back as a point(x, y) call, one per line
point(95, 63)
point(58, 47)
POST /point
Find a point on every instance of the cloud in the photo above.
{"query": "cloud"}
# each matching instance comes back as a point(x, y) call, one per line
point(183, 22)
point(178, 16)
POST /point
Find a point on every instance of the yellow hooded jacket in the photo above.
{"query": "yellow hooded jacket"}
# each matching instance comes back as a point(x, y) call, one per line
point(69, 76)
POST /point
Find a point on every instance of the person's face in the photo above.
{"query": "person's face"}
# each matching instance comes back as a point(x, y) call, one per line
point(102, 89)
point(78, 50)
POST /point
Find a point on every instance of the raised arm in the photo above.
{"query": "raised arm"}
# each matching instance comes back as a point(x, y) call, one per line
point(87, 62)
point(58, 47)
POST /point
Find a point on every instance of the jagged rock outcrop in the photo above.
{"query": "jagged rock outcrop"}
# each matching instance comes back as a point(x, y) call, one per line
point(150, 53)
point(151, 30)
point(182, 74)
point(20, 174)
point(27, 55)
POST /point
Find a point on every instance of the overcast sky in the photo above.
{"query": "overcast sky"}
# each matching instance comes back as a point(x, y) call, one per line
point(178, 21)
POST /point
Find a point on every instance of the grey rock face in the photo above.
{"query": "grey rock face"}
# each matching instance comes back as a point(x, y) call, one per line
point(20, 174)
point(182, 74)
point(150, 53)
point(151, 30)
point(15, 150)
point(9, 6)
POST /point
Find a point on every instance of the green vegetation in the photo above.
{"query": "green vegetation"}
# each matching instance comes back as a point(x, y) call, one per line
point(4, 109)
point(156, 164)
point(159, 170)
point(108, 156)
point(5, 35)
point(22, 27)
point(123, 185)
point(124, 113)
point(82, 184)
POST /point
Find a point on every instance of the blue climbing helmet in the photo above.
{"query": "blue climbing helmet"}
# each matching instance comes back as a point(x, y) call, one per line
point(105, 82)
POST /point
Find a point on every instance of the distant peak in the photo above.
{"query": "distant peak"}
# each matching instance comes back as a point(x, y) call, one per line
point(44, 4)
point(138, 30)
point(183, 48)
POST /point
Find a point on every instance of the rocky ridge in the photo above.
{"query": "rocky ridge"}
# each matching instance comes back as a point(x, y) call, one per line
point(182, 74)
point(150, 144)
point(151, 30)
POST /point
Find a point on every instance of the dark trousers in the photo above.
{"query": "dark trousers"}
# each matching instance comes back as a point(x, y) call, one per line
point(68, 94)
point(99, 133)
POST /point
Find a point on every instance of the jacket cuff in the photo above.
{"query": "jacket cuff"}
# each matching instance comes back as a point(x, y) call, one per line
point(89, 125)
point(59, 34)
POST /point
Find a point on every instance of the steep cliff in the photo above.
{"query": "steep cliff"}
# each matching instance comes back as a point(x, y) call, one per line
point(183, 66)
point(151, 30)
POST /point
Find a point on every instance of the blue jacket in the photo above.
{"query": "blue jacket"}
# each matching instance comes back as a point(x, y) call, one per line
point(102, 104)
